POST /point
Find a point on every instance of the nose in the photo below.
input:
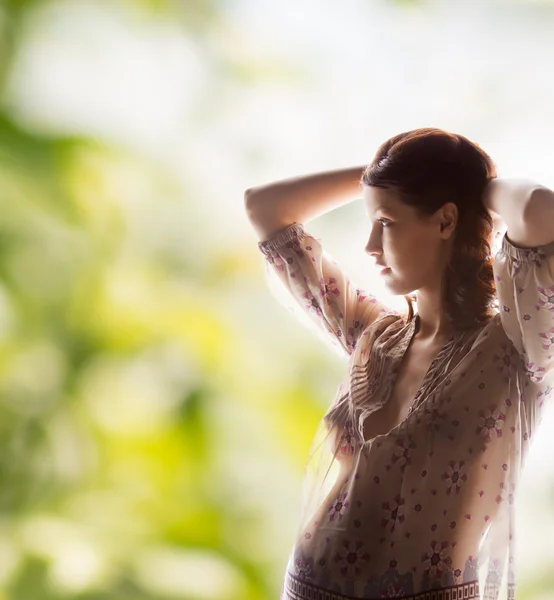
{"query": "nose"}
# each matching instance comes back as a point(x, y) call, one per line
point(373, 247)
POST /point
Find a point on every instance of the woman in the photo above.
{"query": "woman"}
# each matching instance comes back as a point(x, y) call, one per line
point(410, 482)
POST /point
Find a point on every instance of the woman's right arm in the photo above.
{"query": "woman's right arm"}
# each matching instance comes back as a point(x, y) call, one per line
point(301, 199)
point(296, 262)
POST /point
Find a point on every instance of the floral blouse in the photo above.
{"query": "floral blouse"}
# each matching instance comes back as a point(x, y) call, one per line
point(426, 510)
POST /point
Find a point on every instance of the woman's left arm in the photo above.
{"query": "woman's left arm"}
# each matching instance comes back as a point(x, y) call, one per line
point(526, 207)
point(540, 216)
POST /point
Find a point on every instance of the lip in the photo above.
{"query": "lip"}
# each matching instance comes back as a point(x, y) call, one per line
point(383, 271)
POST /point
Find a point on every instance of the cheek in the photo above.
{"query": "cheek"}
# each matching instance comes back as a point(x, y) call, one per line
point(408, 249)
point(424, 260)
point(415, 256)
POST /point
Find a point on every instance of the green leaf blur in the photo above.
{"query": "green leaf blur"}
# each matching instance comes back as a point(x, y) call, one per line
point(152, 437)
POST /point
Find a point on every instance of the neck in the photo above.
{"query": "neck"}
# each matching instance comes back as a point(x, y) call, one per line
point(432, 332)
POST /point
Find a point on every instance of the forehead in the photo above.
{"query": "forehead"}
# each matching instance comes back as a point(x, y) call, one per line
point(384, 199)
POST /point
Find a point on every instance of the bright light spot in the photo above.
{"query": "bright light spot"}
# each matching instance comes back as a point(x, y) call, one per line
point(181, 573)
point(77, 566)
point(77, 563)
point(10, 558)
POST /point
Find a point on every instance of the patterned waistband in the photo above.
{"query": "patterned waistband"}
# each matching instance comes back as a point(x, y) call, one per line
point(298, 589)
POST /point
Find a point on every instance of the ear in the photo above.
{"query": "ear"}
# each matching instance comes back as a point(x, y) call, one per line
point(448, 218)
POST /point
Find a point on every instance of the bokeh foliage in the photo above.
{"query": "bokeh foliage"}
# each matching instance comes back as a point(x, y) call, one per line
point(150, 445)
point(128, 405)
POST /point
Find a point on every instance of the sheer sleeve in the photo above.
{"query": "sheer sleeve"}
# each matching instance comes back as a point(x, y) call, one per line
point(307, 281)
point(524, 280)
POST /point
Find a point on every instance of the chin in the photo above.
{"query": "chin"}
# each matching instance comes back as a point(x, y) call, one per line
point(396, 288)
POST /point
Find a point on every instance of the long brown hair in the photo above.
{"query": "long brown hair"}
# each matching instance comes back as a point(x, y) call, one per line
point(430, 167)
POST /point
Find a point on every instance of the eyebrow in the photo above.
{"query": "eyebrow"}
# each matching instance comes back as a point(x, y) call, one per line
point(387, 211)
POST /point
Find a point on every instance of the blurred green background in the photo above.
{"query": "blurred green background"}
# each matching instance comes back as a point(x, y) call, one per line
point(156, 403)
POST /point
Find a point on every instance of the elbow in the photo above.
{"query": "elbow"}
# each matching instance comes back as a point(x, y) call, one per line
point(539, 216)
point(541, 204)
point(259, 202)
point(249, 202)
point(251, 193)
point(249, 196)
point(258, 212)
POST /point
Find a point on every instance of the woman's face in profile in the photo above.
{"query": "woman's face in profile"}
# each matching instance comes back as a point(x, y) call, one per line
point(410, 245)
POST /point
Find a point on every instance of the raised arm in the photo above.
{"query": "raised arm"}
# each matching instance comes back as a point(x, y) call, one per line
point(301, 199)
point(301, 274)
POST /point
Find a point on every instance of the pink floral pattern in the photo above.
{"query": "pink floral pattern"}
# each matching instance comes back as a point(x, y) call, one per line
point(319, 288)
point(419, 510)
point(311, 304)
point(329, 290)
point(403, 451)
point(339, 507)
point(347, 444)
point(454, 476)
point(491, 422)
point(505, 359)
point(304, 567)
point(535, 372)
point(393, 511)
point(351, 557)
point(546, 298)
point(548, 337)
point(436, 561)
